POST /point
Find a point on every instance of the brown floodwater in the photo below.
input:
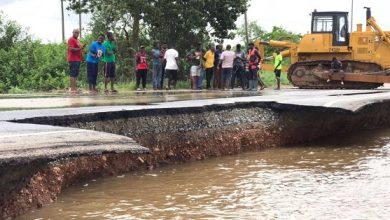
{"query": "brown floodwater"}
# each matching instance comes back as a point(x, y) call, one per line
point(342, 178)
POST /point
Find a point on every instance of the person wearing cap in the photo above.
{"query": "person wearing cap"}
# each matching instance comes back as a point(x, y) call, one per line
point(96, 51)
point(109, 59)
point(142, 68)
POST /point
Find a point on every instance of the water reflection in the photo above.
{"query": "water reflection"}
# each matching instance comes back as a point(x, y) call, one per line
point(124, 98)
point(343, 178)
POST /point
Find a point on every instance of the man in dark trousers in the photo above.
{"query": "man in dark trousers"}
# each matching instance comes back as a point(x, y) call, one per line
point(142, 68)
point(239, 68)
point(254, 59)
point(163, 49)
point(278, 68)
point(96, 51)
point(217, 79)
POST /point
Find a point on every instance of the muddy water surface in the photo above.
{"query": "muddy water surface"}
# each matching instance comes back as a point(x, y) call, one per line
point(342, 178)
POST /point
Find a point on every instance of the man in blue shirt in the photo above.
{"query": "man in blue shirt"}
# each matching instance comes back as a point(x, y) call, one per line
point(96, 51)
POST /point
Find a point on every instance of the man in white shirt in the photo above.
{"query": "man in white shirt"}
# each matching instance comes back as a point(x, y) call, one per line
point(227, 59)
point(172, 57)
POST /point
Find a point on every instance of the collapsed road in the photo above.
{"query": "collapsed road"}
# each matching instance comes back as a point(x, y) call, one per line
point(44, 151)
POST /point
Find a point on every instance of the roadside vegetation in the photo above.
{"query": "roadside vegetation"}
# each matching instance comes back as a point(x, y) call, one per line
point(28, 65)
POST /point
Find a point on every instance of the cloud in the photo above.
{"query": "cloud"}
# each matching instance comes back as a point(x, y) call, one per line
point(6, 2)
point(295, 15)
point(43, 17)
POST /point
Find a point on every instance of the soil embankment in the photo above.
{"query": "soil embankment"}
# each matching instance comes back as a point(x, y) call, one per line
point(179, 135)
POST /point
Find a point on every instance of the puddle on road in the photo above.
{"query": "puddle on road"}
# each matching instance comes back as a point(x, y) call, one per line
point(129, 98)
point(359, 93)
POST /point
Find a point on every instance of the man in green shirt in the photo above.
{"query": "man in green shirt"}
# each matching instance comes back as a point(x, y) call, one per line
point(278, 68)
point(109, 62)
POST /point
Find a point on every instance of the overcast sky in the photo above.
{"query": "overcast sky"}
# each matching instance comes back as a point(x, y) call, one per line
point(43, 17)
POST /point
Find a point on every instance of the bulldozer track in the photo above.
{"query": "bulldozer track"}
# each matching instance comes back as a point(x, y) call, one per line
point(306, 80)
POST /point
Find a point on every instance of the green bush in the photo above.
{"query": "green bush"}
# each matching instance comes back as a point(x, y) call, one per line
point(33, 66)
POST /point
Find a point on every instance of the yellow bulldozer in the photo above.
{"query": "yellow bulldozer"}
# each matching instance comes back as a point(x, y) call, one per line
point(365, 55)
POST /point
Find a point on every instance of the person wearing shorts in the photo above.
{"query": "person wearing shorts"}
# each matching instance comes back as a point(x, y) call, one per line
point(195, 57)
point(109, 60)
point(75, 57)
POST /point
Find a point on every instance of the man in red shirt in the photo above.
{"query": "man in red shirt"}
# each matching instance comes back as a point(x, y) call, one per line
point(254, 59)
point(142, 68)
point(75, 56)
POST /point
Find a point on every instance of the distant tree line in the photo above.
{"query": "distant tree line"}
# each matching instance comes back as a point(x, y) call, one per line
point(31, 65)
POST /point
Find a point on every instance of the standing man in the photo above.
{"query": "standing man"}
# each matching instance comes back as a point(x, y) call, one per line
point(96, 51)
point(278, 68)
point(217, 68)
point(164, 48)
point(238, 68)
point(109, 59)
point(227, 59)
point(157, 68)
point(195, 57)
point(209, 65)
point(75, 56)
point(142, 68)
point(172, 59)
point(254, 59)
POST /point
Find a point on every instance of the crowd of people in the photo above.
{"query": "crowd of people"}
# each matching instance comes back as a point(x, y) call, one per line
point(222, 69)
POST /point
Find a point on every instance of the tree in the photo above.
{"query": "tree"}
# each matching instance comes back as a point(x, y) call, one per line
point(176, 22)
point(116, 13)
point(179, 23)
point(281, 34)
point(255, 32)
point(10, 33)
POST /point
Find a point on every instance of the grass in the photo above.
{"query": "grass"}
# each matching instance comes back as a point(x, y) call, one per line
point(267, 77)
point(270, 80)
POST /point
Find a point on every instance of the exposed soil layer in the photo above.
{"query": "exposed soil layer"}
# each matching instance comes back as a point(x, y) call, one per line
point(43, 182)
point(178, 135)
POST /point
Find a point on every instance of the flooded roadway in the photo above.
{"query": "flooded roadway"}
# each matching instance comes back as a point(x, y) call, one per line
point(343, 178)
point(45, 101)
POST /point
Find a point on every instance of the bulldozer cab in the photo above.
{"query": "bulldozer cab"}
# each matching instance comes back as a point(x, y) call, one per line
point(335, 23)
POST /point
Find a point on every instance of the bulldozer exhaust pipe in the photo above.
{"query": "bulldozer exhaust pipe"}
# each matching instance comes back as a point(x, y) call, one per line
point(368, 14)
